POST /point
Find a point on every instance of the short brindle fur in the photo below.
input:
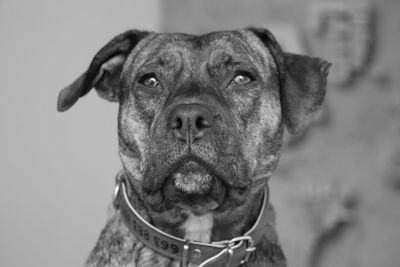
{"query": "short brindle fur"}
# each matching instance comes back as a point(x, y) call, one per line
point(200, 128)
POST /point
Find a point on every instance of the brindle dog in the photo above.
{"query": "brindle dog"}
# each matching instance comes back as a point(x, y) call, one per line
point(200, 128)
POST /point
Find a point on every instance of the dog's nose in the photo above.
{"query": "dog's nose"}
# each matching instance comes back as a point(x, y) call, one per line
point(189, 122)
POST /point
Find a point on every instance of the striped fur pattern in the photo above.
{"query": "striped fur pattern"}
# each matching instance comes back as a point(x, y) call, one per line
point(208, 188)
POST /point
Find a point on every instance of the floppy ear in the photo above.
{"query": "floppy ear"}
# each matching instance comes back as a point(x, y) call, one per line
point(302, 83)
point(104, 71)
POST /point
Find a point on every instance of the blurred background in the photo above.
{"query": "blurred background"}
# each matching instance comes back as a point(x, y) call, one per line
point(336, 190)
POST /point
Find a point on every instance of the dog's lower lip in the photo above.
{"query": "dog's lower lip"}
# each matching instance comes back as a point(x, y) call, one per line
point(192, 178)
point(192, 186)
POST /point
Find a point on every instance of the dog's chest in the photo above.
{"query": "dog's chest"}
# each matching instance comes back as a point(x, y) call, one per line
point(198, 228)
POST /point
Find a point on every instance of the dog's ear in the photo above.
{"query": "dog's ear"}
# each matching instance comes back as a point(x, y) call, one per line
point(302, 82)
point(104, 71)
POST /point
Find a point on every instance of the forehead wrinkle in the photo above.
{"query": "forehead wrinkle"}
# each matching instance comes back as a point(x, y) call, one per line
point(218, 58)
point(263, 58)
point(138, 57)
point(161, 51)
point(168, 58)
point(239, 53)
point(185, 54)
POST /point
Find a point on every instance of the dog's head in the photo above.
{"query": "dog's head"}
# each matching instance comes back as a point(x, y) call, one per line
point(201, 117)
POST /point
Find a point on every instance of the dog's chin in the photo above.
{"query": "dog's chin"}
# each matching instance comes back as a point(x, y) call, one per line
point(194, 188)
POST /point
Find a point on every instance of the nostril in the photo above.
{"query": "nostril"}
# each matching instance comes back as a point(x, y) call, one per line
point(176, 123)
point(202, 123)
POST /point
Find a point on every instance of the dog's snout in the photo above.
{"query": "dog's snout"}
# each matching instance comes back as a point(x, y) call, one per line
point(189, 122)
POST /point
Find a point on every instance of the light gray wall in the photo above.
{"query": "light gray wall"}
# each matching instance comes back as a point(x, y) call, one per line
point(56, 169)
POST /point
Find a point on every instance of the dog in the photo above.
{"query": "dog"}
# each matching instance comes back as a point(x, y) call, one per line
point(200, 126)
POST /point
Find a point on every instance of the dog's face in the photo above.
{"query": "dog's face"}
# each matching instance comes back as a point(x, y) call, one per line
point(196, 111)
point(201, 117)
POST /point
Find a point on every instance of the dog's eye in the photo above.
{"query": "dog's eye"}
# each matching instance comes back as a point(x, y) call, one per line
point(150, 81)
point(242, 78)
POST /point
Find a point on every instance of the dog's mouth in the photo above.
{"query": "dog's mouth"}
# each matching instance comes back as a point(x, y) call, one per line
point(192, 186)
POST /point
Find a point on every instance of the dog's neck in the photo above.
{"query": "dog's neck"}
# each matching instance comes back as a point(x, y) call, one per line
point(208, 227)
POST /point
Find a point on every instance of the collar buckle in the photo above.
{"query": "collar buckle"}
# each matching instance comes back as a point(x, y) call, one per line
point(250, 248)
point(228, 252)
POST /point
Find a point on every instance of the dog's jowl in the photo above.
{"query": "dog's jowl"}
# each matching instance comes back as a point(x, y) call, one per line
point(200, 128)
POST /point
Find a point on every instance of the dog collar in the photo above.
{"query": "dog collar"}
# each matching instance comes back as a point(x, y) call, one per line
point(232, 252)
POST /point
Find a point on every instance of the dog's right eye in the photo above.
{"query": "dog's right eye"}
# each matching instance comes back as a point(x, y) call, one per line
point(150, 81)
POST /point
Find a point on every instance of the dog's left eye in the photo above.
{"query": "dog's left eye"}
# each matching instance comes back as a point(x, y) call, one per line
point(242, 79)
point(150, 81)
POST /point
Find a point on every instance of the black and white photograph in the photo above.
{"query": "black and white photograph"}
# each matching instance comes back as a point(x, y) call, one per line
point(200, 133)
